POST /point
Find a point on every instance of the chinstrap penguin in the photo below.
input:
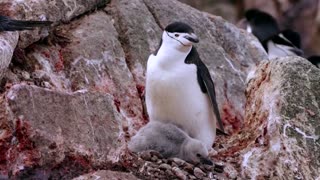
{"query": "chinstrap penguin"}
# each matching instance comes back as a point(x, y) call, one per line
point(286, 43)
point(170, 141)
point(8, 24)
point(276, 43)
point(179, 88)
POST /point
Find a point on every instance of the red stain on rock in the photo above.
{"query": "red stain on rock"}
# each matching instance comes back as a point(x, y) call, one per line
point(22, 134)
point(117, 104)
point(72, 166)
point(22, 152)
point(46, 54)
point(5, 142)
point(59, 66)
point(229, 118)
point(141, 90)
point(6, 9)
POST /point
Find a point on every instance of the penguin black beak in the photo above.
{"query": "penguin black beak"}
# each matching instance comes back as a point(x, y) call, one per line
point(206, 161)
point(192, 38)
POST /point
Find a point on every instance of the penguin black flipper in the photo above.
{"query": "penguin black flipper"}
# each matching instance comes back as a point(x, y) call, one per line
point(206, 84)
point(7, 24)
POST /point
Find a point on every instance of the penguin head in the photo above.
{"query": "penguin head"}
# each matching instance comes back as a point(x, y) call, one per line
point(261, 24)
point(179, 35)
point(196, 152)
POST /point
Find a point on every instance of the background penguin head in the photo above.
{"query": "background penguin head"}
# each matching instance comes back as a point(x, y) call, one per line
point(261, 24)
point(195, 152)
point(179, 35)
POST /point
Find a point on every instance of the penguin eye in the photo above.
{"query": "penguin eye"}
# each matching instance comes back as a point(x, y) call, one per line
point(176, 35)
point(198, 155)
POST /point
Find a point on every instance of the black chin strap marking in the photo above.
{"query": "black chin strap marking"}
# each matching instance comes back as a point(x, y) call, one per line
point(175, 39)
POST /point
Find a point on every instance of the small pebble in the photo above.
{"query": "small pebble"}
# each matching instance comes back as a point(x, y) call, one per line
point(25, 75)
point(232, 172)
point(46, 84)
point(164, 166)
point(198, 173)
point(155, 153)
point(154, 159)
point(173, 164)
point(218, 168)
point(188, 167)
point(169, 172)
point(179, 173)
point(208, 167)
point(145, 155)
point(178, 161)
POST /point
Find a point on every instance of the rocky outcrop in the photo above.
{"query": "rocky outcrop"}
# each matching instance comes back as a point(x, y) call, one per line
point(68, 108)
point(8, 43)
point(280, 138)
point(56, 11)
point(51, 127)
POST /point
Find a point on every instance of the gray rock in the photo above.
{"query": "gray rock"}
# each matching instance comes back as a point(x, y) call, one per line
point(8, 41)
point(139, 32)
point(82, 124)
point(93, 60)
point(282, 114)
point(41, 10)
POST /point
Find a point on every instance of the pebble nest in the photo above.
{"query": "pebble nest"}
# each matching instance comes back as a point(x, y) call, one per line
point(151, 165)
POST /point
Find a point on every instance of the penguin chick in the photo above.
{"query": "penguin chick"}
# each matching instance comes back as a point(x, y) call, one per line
point(170, 141)
point(179, 88)
point(7, 24)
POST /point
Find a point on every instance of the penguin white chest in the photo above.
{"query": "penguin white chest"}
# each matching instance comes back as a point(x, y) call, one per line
point(277, 50)
point(173, 94)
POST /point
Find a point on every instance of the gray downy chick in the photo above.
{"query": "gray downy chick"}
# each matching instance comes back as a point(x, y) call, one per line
point(170, 141)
